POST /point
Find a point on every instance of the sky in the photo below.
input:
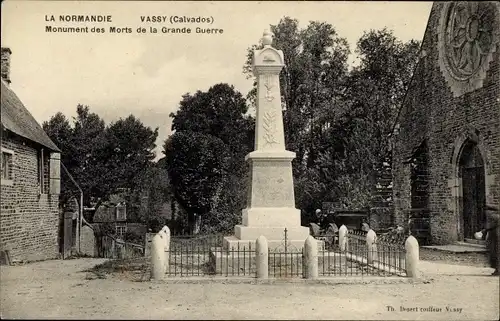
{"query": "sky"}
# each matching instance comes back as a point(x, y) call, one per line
point(118, 74)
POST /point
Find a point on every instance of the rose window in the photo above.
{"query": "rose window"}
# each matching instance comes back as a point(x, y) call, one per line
point(469, 37)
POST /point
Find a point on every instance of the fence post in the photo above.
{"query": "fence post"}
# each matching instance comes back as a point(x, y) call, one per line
point(412, 257)
point(166, 234)
point(372, 246)
point(311, 257)
point(158, 257)
point(262, 257)
point(343, 238)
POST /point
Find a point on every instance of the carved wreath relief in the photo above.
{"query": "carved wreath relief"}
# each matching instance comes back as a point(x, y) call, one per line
point(270, 116)
point(468, 37)
point(270, 129)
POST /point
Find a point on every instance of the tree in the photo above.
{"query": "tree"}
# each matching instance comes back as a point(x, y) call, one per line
point(102, 159)
point(376, 91)
point(196, 165)
point(216, 118)
point(152, 192)
point(359, 133)
point(219, 112)
point(80, 145)
point(59, 130)
point(128, 149)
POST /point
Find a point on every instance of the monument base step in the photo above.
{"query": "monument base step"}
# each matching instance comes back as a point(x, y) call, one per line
point(232, 243)
point(243, 232)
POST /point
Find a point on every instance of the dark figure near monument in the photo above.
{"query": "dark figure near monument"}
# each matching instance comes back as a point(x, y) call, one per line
point(492, 232)
point(332, 233)
point(321, 219)
point(364, 225)
point(314, 229)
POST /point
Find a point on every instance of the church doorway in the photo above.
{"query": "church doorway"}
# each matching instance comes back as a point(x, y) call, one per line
point(471, 170)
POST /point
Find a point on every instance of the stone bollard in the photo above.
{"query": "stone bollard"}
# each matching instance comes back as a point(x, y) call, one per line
point(158, 257)
point(372, 246)
point(412, 257)
point(311, 258)
point(343, 238)
point(262, 258)
point(166, 234)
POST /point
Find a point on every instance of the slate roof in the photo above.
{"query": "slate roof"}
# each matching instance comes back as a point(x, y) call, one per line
point(17, 119)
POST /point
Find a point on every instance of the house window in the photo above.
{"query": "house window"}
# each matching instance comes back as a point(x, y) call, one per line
point(121, 230)
point(121, 212)
point(43, 171)
point(7, 172)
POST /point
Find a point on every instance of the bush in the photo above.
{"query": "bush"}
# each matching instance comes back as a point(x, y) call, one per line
point(101, 229)
point(133, 237)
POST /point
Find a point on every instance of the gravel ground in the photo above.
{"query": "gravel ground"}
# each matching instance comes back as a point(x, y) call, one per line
point(472, 259)
point(62, 289)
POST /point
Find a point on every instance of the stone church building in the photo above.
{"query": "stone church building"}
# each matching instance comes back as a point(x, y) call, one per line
point(446, 148)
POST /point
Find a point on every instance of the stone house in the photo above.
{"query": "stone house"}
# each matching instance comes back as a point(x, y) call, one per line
point(116, 216)
point(30, 183)
point(446, 143)
point(113, 213)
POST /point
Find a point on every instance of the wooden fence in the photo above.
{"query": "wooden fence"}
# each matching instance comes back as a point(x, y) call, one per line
point(112, 248)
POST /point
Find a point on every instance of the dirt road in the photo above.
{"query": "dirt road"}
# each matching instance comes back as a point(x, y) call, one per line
point(58, 289)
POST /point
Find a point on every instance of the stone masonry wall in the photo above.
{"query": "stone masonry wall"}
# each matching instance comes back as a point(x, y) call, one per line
point(432, 112)
point(28, 221)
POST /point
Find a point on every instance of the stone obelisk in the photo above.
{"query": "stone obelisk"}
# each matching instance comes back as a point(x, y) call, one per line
point(271, 200)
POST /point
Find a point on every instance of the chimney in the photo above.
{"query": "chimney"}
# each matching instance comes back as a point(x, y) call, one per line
point(6, 64)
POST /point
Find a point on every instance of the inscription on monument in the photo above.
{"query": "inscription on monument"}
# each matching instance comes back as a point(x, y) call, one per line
point(272, 185)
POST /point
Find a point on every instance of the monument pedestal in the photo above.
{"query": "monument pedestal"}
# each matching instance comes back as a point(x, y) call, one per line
point(271, 204)
point(270, 223)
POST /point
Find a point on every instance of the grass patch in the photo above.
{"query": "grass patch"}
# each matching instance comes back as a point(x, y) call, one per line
point(122, 265)
point(134, 269)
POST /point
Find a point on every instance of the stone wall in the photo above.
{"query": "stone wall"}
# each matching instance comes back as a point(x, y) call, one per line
point(438, 109)
point(28, 220)
point(88, 242)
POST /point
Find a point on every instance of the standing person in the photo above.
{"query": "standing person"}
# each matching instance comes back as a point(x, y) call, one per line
point(364, 225)
point(319, 218)
point(492, 237)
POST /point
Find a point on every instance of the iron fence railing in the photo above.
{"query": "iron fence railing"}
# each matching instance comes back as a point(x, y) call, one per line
point(389, 258)
point(209, 255)
point(385, 256)
point(337, 262)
